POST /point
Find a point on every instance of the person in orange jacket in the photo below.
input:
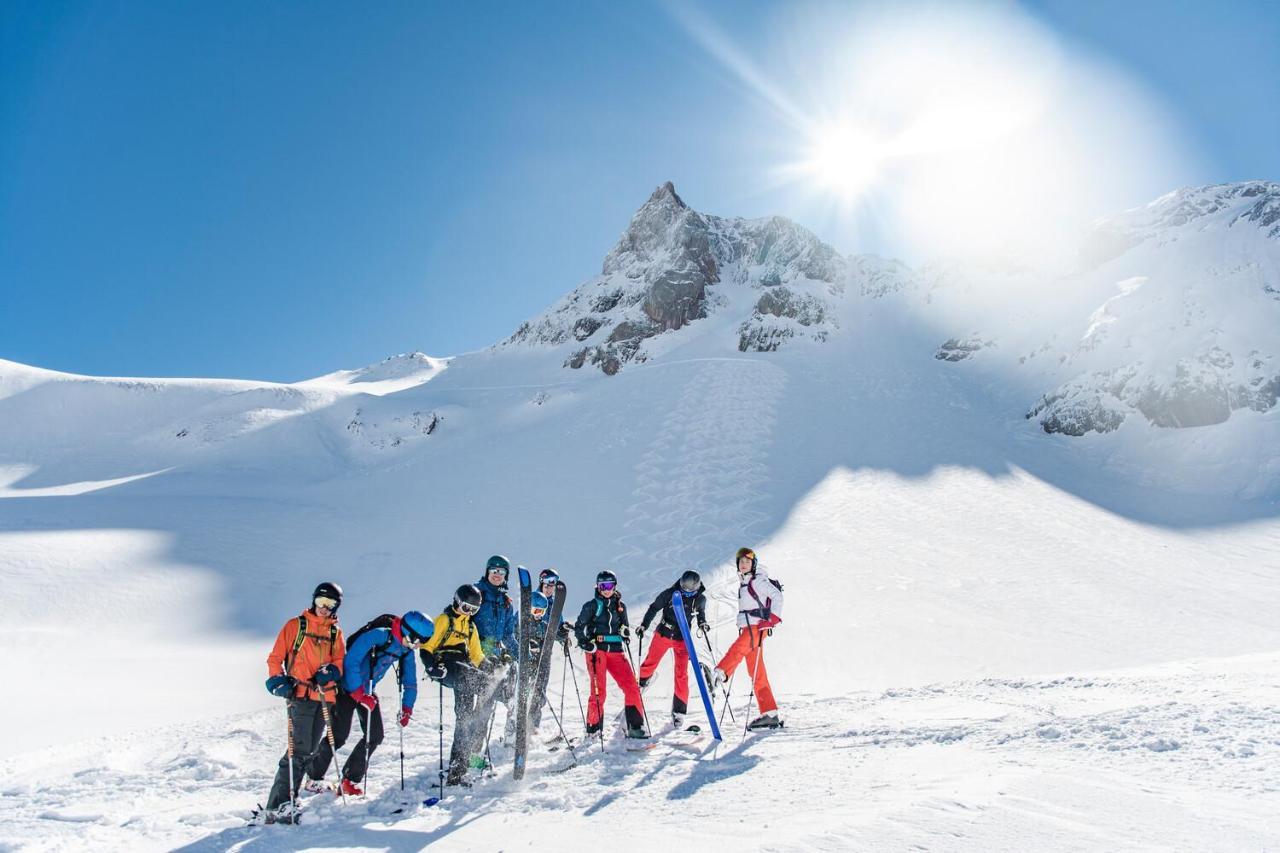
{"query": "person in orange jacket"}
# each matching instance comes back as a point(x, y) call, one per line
point(759, 612)
point(306, 658)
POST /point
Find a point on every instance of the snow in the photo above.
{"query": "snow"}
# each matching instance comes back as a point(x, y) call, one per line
point(995, 638)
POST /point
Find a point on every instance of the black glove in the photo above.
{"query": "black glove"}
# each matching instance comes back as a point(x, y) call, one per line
point(563, 631)
point(587, 646)
point(704, 627)
point(437, 672)
point(640, 632)
point(535, 648)
point(504, 658)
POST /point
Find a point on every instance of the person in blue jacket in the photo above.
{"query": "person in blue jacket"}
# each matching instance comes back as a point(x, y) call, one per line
point(538, 605)
point(496, 625)
point(370, 653)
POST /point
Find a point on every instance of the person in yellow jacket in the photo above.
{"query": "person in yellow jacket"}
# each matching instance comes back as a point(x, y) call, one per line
point(453, 657)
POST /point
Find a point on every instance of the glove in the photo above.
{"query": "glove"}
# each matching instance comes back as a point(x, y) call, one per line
point(625, 632)
point(704, 627)
point(327, 674)
point(364, 700)
point(281, 685)
point(535, 648)
point(504, 658)
point(405, 713)
point(587, 646)
point(437, 672)
point(563, 631)
point(640, 632)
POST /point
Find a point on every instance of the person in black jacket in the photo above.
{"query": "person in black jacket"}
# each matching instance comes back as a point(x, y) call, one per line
point(668, 637)
point(602, 628)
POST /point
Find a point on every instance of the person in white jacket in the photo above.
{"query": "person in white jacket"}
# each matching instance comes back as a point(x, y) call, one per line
point(759, 612)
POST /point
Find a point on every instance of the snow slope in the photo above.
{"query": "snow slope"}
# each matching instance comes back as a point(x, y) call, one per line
point(996, 637)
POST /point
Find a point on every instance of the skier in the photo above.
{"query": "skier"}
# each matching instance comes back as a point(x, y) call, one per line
point(668, 637)
point(307, 656)
point(538, 605)
point(373, 650)
point(602, 628)
point(496, 624)
point(547, 580)
point(453, 656)
point(759, 612)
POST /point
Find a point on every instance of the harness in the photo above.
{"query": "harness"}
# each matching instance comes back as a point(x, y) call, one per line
point(761, 612)
point(302, 638)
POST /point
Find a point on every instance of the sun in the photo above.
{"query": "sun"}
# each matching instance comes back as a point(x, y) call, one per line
point(843, 160)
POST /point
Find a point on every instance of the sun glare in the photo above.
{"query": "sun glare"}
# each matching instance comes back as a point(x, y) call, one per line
point(843, 160)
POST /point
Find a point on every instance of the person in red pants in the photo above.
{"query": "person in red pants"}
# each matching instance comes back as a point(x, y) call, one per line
point(759, 612)
point(667, 637)
point(602, 629)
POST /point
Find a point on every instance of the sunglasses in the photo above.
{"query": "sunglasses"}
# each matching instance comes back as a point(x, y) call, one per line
point(326, 603)
point(606, 585)
point(468, 609)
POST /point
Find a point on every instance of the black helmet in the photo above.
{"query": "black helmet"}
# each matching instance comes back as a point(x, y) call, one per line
point(467, 599)
point(606, 576)
point(690, 581)
point(548, 575)
point(497, 561)
point(328, 590)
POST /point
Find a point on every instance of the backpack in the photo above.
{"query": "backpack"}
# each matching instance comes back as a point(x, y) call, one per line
point(302, 638)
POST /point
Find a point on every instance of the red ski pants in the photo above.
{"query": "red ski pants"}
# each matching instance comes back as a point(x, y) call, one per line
point(656, 651)
point(615, 664)
point(750, 647)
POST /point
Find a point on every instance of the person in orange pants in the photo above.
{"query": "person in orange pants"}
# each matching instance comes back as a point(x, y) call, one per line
point(667, 637)
point(602, 629)
point(759, 612)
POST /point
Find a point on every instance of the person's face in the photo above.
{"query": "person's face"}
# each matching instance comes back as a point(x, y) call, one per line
point(325, 606)
point(497, 577)
point(744, 564)
point(549, 589)
point(607, 590)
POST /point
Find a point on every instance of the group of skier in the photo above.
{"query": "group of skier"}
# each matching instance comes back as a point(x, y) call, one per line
point(471, 648)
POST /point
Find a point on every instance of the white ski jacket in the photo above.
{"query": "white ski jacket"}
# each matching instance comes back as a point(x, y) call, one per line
point(759, 600)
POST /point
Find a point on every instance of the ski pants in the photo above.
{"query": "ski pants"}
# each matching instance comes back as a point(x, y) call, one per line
point(616, 665)
point(357, 764)
point(750, 647)
point(308, 730)
point(473, 705)
point(657, 649)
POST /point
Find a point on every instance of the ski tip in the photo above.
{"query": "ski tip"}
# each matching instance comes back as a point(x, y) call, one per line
point(431, 801)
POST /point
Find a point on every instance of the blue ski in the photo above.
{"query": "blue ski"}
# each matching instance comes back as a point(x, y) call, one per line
point(677, 604)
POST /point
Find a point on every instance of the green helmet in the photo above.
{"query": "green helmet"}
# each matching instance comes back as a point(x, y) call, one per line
point(497, 561)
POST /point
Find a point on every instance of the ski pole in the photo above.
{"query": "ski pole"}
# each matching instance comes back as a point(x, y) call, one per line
point(400, 684)
point(591, 663)
point(568, 662)
point(293, 793)
point(563, 736)
point(328, 730)
point(564, 670)
point(440, 718)
point(632, 663)
point(758, 640)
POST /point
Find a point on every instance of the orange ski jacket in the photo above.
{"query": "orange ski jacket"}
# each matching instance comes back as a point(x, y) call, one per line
point(321, 642)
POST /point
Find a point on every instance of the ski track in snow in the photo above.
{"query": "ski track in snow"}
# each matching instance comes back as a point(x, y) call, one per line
point(1177, 757)
point(704, 475)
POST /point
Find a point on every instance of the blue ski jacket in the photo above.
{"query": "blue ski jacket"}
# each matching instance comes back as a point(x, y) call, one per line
point(371, 655)
point(496, 621)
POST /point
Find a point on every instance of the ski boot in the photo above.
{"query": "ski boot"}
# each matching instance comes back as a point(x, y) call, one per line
point(677, 721)
point(316, 786)
point(766, 721)
point(636, 733)
point(286, 812)
point(350, 789)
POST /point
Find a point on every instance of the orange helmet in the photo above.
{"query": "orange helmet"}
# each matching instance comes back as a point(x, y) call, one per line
point(745, 552)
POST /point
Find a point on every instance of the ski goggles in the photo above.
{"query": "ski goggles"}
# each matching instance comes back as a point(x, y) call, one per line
point(468, 609)
point(606, 585)
point(550, 580)
point(689, 587)
point(538, 612)
point(326, 602)
point(498, 570)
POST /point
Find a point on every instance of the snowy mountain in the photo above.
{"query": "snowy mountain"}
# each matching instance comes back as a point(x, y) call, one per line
point(1001, 631)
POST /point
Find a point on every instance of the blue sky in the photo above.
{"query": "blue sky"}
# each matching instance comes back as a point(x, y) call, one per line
point(278, 190)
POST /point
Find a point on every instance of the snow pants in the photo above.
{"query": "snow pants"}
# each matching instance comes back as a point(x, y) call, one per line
point(473, 703)
point(658, 648)
point(308, 730)
point(750, 647)
point(358, 762)
point(615, 664)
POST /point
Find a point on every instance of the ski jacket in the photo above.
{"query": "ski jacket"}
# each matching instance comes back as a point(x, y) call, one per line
point(496, 620)
point(602, 617)
point(695, 610)
point(759, 600)
point(372, 654)
point(306, 643)
point(455, 637)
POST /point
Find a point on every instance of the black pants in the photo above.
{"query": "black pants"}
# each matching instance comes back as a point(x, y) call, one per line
point(474, 696)
point(344, 710)
point(308, 730)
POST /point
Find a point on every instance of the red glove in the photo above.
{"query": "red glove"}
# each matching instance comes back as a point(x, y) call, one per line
point(405, 713)
point(364, 699)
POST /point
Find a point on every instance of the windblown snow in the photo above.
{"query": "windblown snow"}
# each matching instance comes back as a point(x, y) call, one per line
point(1027, 521)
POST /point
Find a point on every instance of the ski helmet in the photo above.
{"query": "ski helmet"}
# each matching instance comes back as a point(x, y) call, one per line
point(499, 562)
point(606, 576)
point(416, 627)
point(328, 590)
point(745, 552)
point(467, 599)
point(538, 601)
point(689, 582)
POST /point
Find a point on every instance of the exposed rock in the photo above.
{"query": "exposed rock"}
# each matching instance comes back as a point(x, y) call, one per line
point(958, 349)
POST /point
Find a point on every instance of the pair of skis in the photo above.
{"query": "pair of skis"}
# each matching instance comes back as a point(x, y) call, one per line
point(531, 675)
